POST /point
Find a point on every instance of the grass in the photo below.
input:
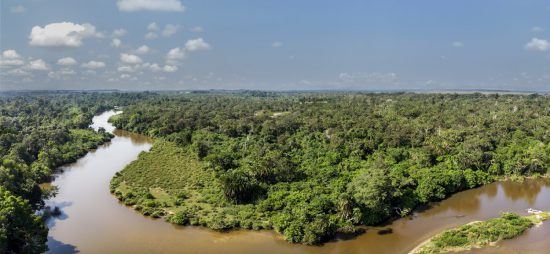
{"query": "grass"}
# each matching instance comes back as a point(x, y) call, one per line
point(482, 233)
point(170, 182)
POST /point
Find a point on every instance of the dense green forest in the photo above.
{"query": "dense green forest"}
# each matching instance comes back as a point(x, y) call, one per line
point(38, 133)
point(308, 165)
point(313, 165)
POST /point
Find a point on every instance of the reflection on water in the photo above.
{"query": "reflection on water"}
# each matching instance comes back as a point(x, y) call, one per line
point(136, 139)
point(92, 220)
point(528, 190)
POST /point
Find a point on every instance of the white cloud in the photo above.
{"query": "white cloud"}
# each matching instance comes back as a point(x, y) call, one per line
point(170, 30)
point(153, 26)
point(150, 5)
point(538, 45)
point(175, 54)
point(66, 61)
point(277, 44)
point(10, 57)
point(116, 42)
point(196, 44)
point(130, 59)
point(18, 9)
point(169, 68)
point(63, 73)
point(10, 54)
point(458, 44)
point(125, 76)
point(143, 49)
point(11, 62)
point(119, 32)
point(125, 69)
point(38, 65)
point(151, 36)
point(153, 67)
point(197, 29)
point(93, 65)
point(64, 34)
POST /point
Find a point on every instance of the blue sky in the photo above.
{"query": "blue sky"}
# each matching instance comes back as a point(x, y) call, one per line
point(275, 45)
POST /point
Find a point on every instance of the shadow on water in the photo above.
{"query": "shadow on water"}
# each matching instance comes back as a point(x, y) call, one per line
point(348, 236)
point(61, 215)
point(58, 247)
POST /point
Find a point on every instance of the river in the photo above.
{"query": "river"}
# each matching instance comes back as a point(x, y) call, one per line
point(93, 221)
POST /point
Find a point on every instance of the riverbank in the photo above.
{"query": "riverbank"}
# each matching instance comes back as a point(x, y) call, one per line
point(479, 234)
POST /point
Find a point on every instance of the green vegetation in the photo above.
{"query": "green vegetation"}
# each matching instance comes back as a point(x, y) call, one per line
point(38, 133)
point(479, 234)
point(308, 165)
point(330, 162)
point(20, 230)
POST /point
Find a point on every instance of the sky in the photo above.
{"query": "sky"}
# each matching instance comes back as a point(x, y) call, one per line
point(275, 45)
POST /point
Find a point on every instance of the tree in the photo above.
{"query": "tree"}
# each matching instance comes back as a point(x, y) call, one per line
point(371, 190)
point(21, 231)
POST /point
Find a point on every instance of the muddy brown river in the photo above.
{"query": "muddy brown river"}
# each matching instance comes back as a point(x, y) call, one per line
point(93, 221)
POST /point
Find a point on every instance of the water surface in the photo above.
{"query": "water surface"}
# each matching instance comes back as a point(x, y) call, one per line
point(93, 221)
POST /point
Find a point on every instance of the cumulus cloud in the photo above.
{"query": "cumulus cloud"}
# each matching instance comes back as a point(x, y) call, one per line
point(458, 44)
point(169, 68)
point(66, 61)
point(10, 54)
point(64, 34)
point(196, 44)
point(38, 65)
point(153, 26)
point(61, 74)
point(538, 45)
point(93, 65)
point(175, 54)
point(152, 67)
point(10, 57)
point(116, 42)
point(125, 69)
point(155, 67)
point(18, 9)
point(277, 44)
point(119, 32)
point(150, 5)
point(170, 30)
point(151, 36)
point(143, 49)
point(130, 59)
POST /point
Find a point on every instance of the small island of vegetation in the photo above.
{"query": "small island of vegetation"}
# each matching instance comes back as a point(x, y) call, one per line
point(480, 233)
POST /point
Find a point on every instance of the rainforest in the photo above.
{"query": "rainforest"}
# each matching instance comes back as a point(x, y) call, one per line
point(309, 166)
